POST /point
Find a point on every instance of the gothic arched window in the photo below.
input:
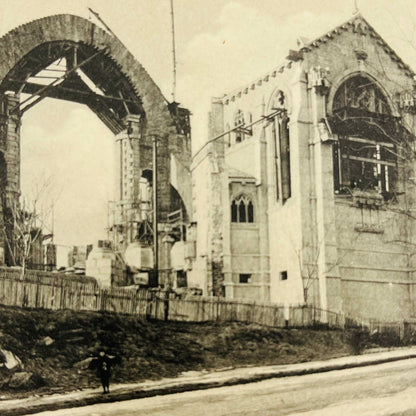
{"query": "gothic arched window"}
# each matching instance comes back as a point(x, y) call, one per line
point(285, 158)
point(281, 144)
point(242, 210)
point(365, 155)
point(360, 93)
point(279, 100)
point(239, 121)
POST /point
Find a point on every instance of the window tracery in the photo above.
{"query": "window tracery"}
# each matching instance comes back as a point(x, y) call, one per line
point(279, 101)
point(365, 156)
point(242, 210)
point(360, 93)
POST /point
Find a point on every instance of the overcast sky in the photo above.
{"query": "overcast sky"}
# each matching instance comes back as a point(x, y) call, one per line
point(221, 45)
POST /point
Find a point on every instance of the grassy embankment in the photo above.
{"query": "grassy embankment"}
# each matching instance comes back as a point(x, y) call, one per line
point(149, 350)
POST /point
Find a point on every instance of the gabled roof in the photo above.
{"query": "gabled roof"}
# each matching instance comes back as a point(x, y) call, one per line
point(306, 46)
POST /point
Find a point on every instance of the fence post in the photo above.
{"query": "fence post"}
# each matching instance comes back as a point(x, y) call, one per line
point(286, 312)
point(37, 295)
point(148, 305)
point(62, 296)
point(166, 306)
point(25, 297)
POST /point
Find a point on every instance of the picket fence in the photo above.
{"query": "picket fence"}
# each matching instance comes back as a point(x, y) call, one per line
point(220, 309)
point(147, 304)
point(70, 295)
point(84, 295)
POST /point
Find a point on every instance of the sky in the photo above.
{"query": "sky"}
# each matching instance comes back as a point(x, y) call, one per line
point(220, 46)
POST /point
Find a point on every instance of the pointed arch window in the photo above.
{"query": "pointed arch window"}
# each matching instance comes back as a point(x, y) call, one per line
point(275, 140)
point(285, 158)
point(250, 212)
point(365, 155)
point(234, 212)
point(281, 144)
point(242, 210)
point(239, 121)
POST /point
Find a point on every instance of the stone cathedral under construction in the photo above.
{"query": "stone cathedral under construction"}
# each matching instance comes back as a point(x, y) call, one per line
point(303, 192)
point(90, 66)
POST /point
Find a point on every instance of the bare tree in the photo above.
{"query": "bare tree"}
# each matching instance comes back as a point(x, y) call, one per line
point(308, 256)
point(308, 269)
point(25, 226)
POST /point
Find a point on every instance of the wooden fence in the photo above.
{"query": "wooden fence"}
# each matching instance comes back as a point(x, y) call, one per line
point(71, 294)
point(219, 309)
point(62, 293)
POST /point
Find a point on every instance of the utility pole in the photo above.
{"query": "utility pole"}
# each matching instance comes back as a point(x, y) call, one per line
point(53, 222)
point(155, 212)
point(173, 51)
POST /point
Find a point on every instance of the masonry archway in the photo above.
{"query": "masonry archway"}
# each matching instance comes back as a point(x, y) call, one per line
point(99, 72)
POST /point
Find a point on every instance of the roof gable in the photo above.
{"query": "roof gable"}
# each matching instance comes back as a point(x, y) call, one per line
point(359, 25)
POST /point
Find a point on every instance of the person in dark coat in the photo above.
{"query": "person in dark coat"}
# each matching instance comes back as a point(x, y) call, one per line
point(104, 363)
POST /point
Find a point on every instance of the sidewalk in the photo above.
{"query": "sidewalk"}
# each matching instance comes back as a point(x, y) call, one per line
point(195, 381)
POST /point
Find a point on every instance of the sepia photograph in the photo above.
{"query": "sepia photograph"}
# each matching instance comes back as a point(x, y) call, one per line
point(208, 207)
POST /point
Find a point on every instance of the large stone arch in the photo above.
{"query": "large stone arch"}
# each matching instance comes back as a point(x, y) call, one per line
point(43, 40)
point(19, 42)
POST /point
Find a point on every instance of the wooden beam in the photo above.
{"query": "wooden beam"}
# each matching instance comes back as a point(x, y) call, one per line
point(55, 92)
point(52, 84)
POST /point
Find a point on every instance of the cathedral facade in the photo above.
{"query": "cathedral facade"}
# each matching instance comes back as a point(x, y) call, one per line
point(304, 190)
